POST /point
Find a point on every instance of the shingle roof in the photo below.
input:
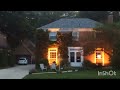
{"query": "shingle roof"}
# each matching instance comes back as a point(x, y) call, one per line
point(72, 23)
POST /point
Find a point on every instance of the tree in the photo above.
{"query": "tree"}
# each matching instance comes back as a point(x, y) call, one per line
point(112, 37)
point(64, 40)
point(100, 16)
point(116, 17)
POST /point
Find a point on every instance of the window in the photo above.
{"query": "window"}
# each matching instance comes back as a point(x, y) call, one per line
point(75, 36)
point(78, 57)
point(53, 36)
point(52, 55)
point(72, 57)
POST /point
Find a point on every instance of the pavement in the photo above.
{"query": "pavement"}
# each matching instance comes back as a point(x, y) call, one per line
point(17, 72)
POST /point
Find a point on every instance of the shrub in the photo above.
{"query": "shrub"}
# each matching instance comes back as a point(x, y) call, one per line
point(44, 61)
point(64, 62)
point(3, 58)
point(11, 60)
point(88, 64)
point(115, 61)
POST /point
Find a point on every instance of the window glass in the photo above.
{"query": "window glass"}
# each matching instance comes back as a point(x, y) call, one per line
point(53, 36)
point(78, 56)
point(72, 57)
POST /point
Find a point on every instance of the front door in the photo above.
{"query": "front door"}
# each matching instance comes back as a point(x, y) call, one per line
point(75, 56)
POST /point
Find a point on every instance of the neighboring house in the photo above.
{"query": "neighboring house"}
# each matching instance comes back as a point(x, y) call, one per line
point(82, 30)
point(25, 49)
point(3, 41)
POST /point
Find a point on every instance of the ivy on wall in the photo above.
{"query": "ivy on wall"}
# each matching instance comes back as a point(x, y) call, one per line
point(43, 43)
point(64, 40)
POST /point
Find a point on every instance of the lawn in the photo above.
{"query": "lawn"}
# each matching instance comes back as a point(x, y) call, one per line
point(85, 74)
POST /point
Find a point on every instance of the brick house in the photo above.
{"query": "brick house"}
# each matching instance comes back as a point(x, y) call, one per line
point(82, 32)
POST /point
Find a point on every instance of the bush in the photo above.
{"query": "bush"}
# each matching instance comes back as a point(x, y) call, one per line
point(44, 61)
point(64, 62)
point(3, 58)
point(115, 62)
point(88, 64)
point(11, 60)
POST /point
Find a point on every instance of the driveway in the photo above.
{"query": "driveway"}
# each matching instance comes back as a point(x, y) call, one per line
point(17, 72)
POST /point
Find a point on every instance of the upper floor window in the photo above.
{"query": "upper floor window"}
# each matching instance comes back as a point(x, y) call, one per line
point(75, 36)
point(53, 36)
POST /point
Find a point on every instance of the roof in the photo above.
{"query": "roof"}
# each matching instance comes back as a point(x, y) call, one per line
point(72, 23)
point(26, 47)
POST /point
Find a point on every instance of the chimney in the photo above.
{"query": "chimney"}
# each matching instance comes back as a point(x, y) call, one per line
point(110, 18)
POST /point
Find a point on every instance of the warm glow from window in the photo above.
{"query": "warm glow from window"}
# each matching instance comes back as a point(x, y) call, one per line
point(99, 56)
point(96, 57)
point(52, 55)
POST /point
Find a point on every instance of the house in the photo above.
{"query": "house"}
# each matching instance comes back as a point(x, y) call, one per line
point(3, 41)
point(82, 31)
point(25, 49)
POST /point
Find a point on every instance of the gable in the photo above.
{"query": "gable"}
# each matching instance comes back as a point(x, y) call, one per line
point(21, 50)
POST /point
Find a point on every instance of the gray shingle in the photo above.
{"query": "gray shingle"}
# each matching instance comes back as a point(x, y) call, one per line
point(72, 23)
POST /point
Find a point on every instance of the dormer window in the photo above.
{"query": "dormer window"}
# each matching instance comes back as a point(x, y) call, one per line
point(53, 36)
point(75, 35)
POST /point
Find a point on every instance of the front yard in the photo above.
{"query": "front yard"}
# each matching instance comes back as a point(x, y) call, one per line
point(84, 74)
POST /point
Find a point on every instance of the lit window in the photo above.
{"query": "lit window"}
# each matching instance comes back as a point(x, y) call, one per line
point(98, 56)
point(75, 36)
point(52, 36)
point(52, 55)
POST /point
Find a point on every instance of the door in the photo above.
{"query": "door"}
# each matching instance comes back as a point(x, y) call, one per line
point(75, 57)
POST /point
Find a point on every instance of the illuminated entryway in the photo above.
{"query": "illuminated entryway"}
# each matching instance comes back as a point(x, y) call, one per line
point(75, 56)
point(99, 56)
point(52, 55)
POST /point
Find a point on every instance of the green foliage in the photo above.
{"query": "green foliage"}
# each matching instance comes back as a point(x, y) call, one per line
point(64, 40)
point(88, 64)
point(11, 60)
point(115, 59)
point(42, 43)
point(7, 58)
point(95, 15)
point(44, 61)
point(64, 63)
point(3, 58)
point(112, 37)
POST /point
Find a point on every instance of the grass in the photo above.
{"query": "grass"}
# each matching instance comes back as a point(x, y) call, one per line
point(83, 74)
